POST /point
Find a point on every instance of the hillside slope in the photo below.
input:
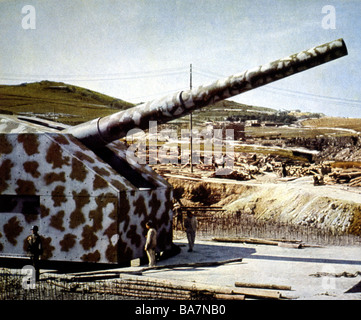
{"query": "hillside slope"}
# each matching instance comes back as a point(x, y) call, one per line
point(57, 101)
point(72, 104)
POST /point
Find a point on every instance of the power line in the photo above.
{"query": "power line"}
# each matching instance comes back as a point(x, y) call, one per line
point(289, 92)
point(156, 95)
point(98, 77)
point(312, 95)
point(208, 74)
point(164, 73)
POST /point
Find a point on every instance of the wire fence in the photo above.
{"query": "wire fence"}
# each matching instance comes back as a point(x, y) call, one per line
point(222, 224)
point(13, 286)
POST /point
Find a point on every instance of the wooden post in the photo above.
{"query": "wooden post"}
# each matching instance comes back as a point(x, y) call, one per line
point(191, 123)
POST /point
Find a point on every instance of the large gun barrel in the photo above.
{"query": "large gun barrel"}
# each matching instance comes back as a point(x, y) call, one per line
point(101, 131)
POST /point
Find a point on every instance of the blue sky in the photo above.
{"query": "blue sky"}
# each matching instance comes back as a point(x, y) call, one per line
point(137, 50)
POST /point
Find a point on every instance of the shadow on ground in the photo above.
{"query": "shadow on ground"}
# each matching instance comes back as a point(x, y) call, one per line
point(210, 253)
point(178, 255)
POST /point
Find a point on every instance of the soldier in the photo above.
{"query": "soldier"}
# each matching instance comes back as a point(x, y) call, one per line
point(151, 243)
point(284, 170)
point(178, 214)
point(190, 225)
point(35, 249)
point(318, 180)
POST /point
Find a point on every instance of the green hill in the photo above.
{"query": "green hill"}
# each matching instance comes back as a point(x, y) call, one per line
point(72, 105)
point(221, 110)
point(58, 101)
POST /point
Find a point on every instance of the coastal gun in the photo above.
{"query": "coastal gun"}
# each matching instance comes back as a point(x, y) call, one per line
point(101, 131)
point(91, 202)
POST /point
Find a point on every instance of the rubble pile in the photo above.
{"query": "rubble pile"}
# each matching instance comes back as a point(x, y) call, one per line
point(340, 148)
point(351, 176)
point(251, 167)
point(328, 173)
point(231, 174)
point(246, 166)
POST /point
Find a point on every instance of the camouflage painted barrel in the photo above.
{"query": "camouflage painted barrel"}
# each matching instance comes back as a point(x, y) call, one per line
point(101, 131)
point(90, 201)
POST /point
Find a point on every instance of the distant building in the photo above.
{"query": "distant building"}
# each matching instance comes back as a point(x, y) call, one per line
point(253, 123)
point(237, 127)
point(270, 124)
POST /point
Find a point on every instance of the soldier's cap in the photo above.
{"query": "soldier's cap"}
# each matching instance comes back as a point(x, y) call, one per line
point(35, 228)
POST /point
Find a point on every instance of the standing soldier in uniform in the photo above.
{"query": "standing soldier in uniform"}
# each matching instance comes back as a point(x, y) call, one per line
point(178, 214)
point(151, 243)
point(35, 249)
point(190, 225)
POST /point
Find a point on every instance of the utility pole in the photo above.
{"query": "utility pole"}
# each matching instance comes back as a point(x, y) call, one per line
point(191, 123)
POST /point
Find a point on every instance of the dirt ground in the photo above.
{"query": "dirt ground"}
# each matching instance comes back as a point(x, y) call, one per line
point(289, 200)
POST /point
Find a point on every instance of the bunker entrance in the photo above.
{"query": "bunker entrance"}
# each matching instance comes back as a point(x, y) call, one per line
point(27, 205)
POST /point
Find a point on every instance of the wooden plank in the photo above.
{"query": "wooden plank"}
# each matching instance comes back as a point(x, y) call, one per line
point(221, 296)
point(187, 285)
point(202, 209)
point(290, 245)
point(262, 286)
point(247, 240)
point(286, 240)
point(258, 293)
point(355, 182)
point(260, 241)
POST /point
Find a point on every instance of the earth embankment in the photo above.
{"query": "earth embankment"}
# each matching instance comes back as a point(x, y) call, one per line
point(296, 202)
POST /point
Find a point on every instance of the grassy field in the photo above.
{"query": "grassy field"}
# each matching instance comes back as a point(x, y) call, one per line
point(285, 132)
point(223, 109)
point(57, 101)
point(333, 122)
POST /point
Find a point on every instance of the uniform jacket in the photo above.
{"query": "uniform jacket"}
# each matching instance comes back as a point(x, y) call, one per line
point(190, 224)
point(35, 247)
point(151, 242)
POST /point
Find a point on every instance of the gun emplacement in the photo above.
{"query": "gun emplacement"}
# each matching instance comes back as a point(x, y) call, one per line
point(101, 131)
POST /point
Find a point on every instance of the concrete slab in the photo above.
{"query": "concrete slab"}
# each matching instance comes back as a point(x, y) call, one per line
point(270, 265)
point(313, 273)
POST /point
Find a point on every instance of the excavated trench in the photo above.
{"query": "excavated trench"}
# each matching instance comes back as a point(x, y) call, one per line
point(274, 208)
